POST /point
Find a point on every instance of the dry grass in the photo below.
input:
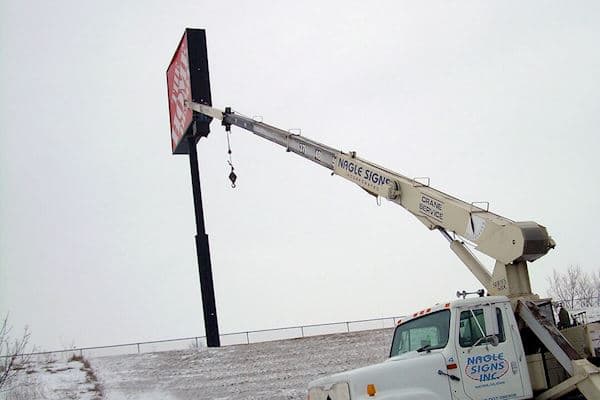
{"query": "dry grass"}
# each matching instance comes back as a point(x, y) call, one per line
point(76, 357)
point(90, 375)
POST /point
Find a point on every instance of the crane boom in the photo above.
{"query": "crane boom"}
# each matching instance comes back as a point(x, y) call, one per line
point(512, 244)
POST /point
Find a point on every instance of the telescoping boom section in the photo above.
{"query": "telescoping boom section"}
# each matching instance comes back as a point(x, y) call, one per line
point(512, 244)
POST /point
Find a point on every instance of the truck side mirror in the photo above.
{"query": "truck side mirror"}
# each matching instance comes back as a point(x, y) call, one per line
point(491, 321)
point(494, 341)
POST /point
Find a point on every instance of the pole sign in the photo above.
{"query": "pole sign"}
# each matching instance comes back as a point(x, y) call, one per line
point(187, 79)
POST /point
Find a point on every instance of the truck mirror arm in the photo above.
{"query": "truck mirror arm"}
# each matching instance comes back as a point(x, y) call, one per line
point(489, 339)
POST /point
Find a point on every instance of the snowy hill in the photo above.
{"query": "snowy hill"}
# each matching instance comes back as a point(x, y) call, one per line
point(268, 370)
point(52, 379)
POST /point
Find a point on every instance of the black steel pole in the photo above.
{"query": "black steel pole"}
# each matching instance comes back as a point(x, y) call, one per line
point(209, 307)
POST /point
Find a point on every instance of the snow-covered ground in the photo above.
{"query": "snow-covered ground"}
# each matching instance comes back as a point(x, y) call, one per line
point(268, 370)
point(53, 380)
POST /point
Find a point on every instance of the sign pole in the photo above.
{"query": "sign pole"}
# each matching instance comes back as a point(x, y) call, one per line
point(209, 307)
point(188, 80)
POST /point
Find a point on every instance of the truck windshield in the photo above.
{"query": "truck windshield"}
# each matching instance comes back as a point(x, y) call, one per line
point(430, 330)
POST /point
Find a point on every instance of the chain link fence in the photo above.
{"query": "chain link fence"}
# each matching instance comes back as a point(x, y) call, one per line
point(227, 339)
point(589, 304)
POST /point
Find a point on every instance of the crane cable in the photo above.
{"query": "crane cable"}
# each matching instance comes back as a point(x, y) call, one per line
point(227, 125)
point(232, 175)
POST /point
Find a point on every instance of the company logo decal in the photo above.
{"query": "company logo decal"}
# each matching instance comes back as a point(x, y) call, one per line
point(486, 368)
point(366, 176)
point(362, 172)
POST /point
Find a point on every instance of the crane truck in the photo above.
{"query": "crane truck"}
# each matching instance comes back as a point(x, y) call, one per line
point(501, 346)
point(504, 345)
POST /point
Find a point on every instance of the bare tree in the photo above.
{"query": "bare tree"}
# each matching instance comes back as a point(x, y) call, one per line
point(575, 288)
point(596, 283)
point(11, 352)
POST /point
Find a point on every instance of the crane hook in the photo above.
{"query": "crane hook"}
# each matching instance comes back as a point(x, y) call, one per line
point(232, 175)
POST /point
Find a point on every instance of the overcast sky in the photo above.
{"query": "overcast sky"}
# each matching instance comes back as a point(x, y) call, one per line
point(494, 101)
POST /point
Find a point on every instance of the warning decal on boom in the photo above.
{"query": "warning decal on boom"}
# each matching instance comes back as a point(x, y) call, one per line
point(431, 207)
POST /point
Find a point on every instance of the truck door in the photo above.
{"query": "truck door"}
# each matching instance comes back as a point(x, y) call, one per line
point(489, 366)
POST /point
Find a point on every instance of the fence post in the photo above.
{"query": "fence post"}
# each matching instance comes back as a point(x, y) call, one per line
point(302, 330)
point(138, 347)
point(348, 327)
point(197, 345)
point(247, 338)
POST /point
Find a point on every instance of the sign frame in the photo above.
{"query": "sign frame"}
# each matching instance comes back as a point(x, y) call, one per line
point(188, 79)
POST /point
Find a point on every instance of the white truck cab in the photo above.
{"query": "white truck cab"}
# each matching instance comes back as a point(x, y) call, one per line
point(464, 349)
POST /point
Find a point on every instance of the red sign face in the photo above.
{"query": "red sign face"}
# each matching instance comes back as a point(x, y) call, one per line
point(180, 89)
